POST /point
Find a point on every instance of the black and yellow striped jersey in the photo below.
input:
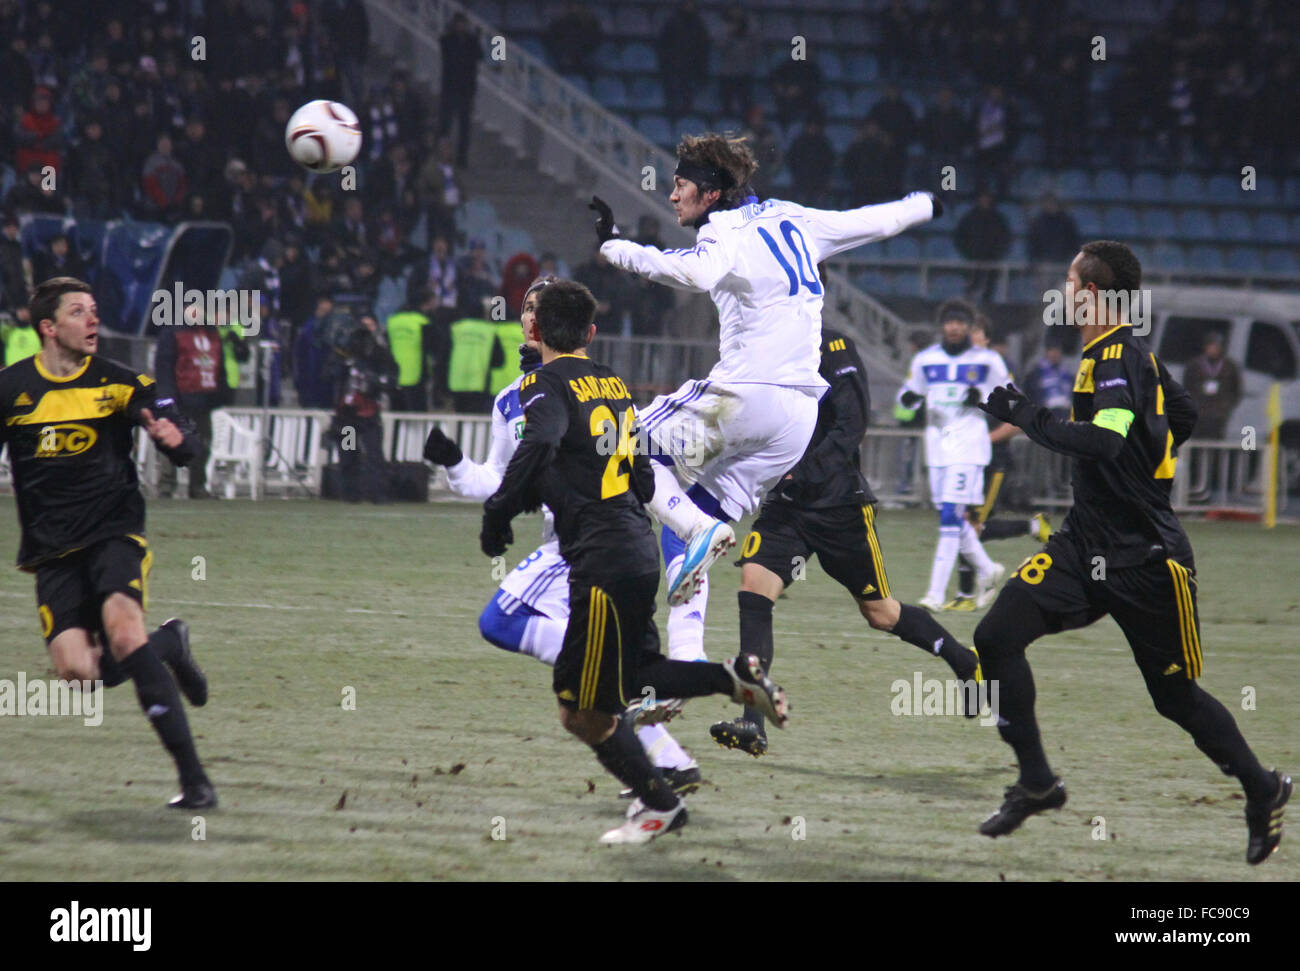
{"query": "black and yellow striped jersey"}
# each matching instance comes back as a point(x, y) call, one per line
point(1121, 508)
point(70, 446)
point(579, 456)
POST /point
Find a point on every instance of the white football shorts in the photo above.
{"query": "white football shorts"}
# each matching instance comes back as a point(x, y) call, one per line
point(541, 581)
point(735, 440)
point(961, 484)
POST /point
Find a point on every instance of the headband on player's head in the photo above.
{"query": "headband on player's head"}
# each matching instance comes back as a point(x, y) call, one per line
point(538, 284)
point(705, 175)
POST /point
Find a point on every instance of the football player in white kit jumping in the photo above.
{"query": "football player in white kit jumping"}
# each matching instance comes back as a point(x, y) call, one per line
point(530, 611)
point(952, 378)
point(719, 444)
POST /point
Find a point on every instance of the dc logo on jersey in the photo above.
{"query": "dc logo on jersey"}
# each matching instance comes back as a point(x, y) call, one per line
point(976, 373)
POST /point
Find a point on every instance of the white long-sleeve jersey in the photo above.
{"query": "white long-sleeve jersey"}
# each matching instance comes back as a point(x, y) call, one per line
point(955, 433)
point(475, 480)
point(759, 264)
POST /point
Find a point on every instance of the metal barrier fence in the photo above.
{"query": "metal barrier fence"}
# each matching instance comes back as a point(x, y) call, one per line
point(264, 452)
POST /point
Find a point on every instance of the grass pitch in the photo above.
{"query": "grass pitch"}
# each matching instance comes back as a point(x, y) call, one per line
point(453, 741)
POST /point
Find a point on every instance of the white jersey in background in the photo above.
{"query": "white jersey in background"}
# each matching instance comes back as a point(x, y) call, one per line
point(955, 433)
point(759, 265)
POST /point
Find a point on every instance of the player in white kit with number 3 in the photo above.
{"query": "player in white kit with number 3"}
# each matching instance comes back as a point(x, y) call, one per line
point(952, 377)
point(719, 444)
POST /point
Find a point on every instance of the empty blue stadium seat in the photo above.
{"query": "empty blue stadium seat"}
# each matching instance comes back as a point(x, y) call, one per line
point(904, 283)
point(940, 247)
point(947, 283)
point(1165, 256)
point(836, 102)
point(1279, 260)
point(609, 91)
point(1158, 222)
point(1266, 192)
point(1149, 187)
point(1087, 218)
point(861, 102)
point(1118, 222)
point(1223, 188)
point(533, 45)
point(903, 248)
point(1032, 183)
point(1196, 224)
point(1073, 184)
point(831, 65)
point(638, 57)
point(1244, 259)
point(1234, 224)
point(655, 128)
point(1270, 227)
point(1204, 257)
point(861, 68)
point(1015, 216)
point(1186, 187)
point(646, 94)
point(1111, 184)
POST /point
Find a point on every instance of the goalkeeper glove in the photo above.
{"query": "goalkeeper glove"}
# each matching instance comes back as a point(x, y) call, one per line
point(910, 399)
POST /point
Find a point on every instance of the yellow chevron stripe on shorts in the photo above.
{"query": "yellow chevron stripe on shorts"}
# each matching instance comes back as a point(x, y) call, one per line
point(1191, 640)
point(877, 558)
point(597, 610)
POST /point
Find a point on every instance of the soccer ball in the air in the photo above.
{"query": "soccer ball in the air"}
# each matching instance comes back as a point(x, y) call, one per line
point(323, 136)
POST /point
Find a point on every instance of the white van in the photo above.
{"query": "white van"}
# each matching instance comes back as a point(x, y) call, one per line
point(1261, 334)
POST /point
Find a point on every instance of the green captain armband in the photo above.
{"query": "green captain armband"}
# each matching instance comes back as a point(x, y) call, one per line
point(1114, 419)
point(904, 414)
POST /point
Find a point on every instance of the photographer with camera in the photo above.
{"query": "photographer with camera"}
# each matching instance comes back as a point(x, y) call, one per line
point(363, 369)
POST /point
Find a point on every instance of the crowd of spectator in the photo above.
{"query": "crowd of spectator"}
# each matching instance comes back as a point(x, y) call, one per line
point(1190, 92)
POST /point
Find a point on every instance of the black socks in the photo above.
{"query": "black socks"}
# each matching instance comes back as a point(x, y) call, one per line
point(917, 627)
point(624, 758)
point(161, 701)
point(756, 637)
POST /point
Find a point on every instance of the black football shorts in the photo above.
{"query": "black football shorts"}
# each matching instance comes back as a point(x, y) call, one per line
point(842, 537)
point(1153, 603)
point(70, 590)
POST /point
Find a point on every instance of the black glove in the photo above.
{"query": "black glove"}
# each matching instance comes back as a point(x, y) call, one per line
point(910, 399)
point(441, 450)
point(937, 204)
point(1007, 403)
point(973, 397)
point(495, 536)
point(605, 227)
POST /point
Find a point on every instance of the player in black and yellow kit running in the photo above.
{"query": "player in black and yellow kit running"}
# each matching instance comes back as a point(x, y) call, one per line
point(824, 506)
point(68, 418)
point(577, 455)
point(1121, 551)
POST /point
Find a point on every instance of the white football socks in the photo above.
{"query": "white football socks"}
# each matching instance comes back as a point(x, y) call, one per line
point(672, 507)
point(686, 625)
point(973, 549)
point(945, 557)
point(663, 748)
